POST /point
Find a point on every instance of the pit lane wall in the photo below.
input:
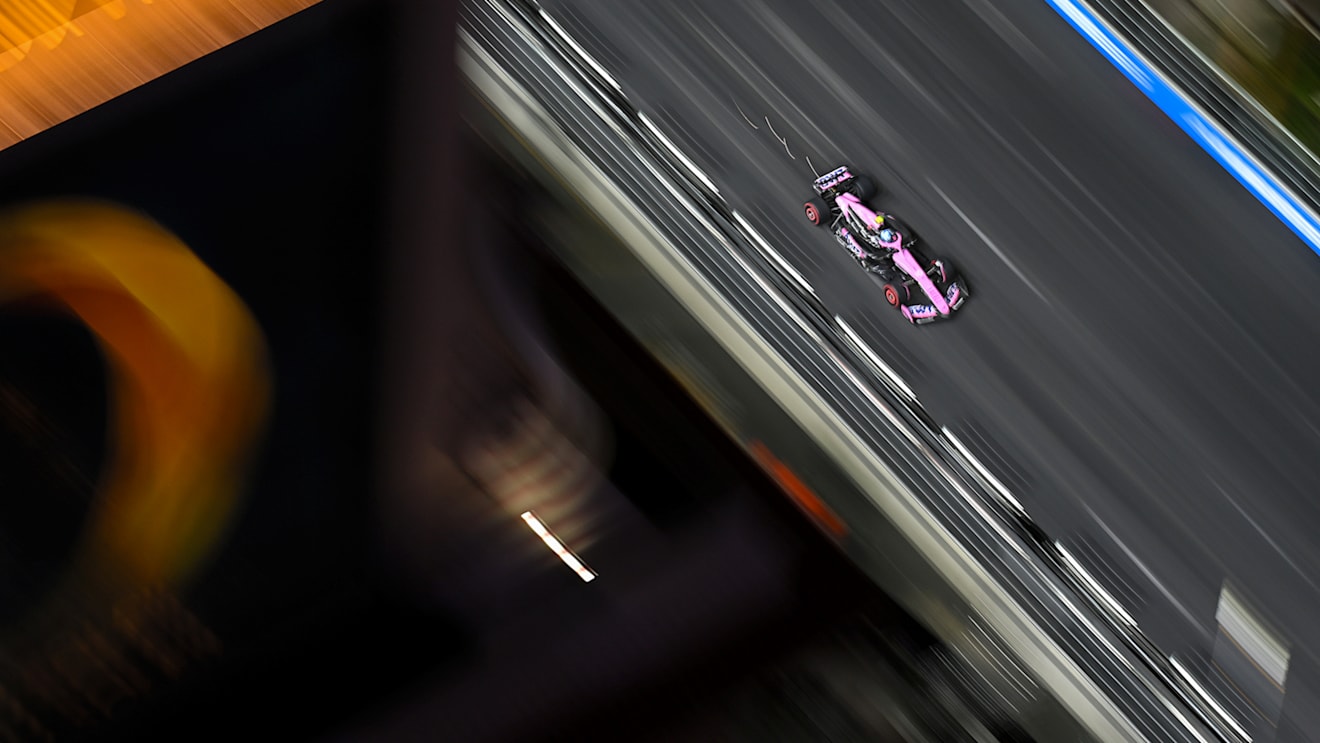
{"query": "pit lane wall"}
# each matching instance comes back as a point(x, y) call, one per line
point(1204, 102)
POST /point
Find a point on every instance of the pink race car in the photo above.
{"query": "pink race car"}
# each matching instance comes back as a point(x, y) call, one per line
point(923, 290)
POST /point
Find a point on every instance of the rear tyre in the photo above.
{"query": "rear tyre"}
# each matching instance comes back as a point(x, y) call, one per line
point(816, 211)
point(895, 293)
point(864, 187)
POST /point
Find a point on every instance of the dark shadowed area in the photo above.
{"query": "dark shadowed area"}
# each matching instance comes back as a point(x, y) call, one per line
point(376, 585)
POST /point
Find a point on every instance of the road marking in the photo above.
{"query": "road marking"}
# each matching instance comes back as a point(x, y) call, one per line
point(749, 121)
point(771, 253)
point(1096, 588)
point(894, 379)
point(1208, 698)
point(677, 153)
point(984, 471)
point(990, 243)
point(782, 140)
point(572, 43)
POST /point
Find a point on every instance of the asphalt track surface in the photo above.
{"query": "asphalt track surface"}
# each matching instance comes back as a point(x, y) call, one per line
point(1136, 362)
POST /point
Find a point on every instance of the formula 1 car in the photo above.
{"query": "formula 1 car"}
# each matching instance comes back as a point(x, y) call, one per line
point(924, 290)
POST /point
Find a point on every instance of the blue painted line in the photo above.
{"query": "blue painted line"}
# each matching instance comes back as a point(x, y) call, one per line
point(1208, 134)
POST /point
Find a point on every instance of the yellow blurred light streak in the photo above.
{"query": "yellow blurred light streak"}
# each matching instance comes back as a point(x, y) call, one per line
point(571, 560)
point(188, 374)
point(59, 58)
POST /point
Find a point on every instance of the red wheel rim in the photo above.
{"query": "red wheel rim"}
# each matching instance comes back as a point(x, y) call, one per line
point(891, 295)
point(812, 214)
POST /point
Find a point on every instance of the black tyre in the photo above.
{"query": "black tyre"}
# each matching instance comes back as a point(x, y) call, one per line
point(817, 211)
point(864, 187)
point(942, 270)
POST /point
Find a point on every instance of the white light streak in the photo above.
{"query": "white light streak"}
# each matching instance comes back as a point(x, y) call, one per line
point(556, 546)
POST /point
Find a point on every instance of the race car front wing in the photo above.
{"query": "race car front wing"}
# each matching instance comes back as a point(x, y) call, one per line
point(920, 314)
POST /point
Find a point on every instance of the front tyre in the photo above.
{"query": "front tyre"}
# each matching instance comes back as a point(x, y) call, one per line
point(942, 270)
point(816, 211)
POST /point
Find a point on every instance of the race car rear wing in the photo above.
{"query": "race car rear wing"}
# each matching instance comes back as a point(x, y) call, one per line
point(832, 179)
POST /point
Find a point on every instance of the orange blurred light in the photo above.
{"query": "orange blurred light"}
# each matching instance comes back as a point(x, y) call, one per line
point(189, 380)
point(802, 495)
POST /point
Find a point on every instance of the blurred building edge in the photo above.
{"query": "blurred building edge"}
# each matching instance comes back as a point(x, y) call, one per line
point(478, 421)
point(545, 449)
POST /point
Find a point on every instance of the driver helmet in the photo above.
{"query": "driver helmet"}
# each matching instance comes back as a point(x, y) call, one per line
point(887, 235)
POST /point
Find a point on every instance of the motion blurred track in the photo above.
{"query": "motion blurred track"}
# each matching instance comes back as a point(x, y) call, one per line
point(1136, 361)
